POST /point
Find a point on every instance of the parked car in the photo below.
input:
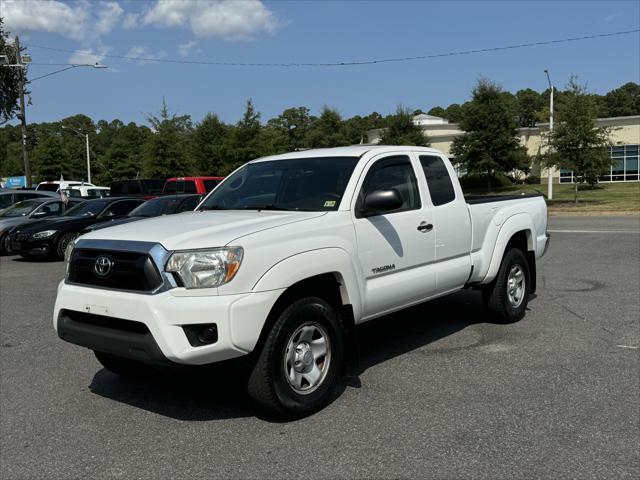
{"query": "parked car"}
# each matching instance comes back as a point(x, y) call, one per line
point(50, 236)
point(143, 187)
point(286, 256)
point(200, 185)
point(55, 185)
point(86, 192)
point(26, 211)
point(9, 196)
point(166, 205)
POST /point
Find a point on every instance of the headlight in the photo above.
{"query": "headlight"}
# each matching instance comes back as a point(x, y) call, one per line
point(206, 268)
point(43, 234)
point(68, 253)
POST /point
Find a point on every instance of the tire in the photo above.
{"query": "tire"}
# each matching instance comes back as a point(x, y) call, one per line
point(122, 367)
point(508, 295)
point(5, 245)
point(61, 246)
point(291, 378)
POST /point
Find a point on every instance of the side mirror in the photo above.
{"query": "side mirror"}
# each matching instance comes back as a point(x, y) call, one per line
point(381, 201)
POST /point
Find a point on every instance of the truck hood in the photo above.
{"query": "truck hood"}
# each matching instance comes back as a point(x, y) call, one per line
point(190, 230)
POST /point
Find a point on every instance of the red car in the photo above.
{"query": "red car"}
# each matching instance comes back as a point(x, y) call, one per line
point(200, 185)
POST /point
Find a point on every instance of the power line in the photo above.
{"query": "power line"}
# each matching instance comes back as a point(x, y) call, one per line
point(346, 63)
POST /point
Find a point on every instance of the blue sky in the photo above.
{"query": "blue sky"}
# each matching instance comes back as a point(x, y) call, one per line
point(289, 31)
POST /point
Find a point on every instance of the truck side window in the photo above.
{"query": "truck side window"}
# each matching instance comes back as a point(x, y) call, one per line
point(396, 173)
point(438, 180)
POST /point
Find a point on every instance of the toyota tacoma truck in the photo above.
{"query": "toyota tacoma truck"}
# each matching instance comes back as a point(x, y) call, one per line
point(285, 257)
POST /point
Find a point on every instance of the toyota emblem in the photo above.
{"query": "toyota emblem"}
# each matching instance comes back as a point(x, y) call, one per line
point(103, 266)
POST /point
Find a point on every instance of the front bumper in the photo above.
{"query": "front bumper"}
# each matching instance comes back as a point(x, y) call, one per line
point(239, 320)
point(23, 245)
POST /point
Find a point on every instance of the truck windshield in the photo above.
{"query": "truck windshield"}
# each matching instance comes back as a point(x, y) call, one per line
point(305, 184)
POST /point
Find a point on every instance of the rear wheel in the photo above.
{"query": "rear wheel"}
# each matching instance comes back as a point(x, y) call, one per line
point(508, 295)
point(64, 241)
point(300, 361)
point(121, 366)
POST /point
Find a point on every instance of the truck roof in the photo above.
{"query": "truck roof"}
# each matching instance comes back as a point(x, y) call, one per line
point(350, 151)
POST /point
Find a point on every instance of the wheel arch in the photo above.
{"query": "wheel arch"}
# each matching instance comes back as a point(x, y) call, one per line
point(518, 232)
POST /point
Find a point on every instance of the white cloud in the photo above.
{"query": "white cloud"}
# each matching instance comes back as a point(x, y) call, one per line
point(185, 48)
point(138, 51)
point(229, 19)
point(109, 16)
point(89, 56)
point(130, 21)
point(81, 20)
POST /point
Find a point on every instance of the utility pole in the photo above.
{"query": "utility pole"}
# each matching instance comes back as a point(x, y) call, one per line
point(550, 168)
point(23, 117)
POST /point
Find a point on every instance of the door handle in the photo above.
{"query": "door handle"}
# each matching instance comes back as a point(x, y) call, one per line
point(425, 227)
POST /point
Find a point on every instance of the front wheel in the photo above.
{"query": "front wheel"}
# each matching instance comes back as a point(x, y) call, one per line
point(64, 241)
point(5, 245)
point(508, 295)
point(300, 361)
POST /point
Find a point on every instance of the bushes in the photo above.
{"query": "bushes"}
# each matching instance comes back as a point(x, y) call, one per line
point(477, 182)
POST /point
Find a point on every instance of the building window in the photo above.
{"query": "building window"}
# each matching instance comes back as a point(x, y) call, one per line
point(624, 166)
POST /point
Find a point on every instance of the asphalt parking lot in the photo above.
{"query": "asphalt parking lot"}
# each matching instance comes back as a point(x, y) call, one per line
point(443, 392)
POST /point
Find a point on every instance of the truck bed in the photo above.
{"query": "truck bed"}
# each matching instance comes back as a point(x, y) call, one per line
point(475, 199)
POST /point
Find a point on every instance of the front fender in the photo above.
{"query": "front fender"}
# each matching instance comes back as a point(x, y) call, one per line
point(308, 264)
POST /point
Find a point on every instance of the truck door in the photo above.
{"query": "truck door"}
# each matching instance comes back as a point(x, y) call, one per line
point(396, 250)
point(451, 224)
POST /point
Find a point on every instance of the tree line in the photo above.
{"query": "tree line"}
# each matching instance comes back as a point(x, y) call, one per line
point(173, 145)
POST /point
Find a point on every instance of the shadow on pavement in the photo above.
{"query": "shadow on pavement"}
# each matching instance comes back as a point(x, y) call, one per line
point(220, 393)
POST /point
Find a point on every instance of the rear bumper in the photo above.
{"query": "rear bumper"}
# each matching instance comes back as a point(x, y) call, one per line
point(239, 320)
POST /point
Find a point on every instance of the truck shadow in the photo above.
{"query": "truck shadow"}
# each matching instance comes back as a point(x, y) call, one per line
point(220, 394)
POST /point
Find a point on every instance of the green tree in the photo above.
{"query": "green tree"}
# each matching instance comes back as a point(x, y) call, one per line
point(294, 123)
point(529, 104)
point(328, 130)
point(490, 144)
point(401, 130)
point(576, 143)
point(210, 144)
point(50, 159)
point(438, 112)
point(623, 101)
point(10, 78)
point(166, 151)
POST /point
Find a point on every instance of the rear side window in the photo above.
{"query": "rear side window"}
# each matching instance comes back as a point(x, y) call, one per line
point(169, 187)
point(181, 186)
point(438, 180)
point(121, 208)
point(394, 173)
point(48, 187)
point(189, 204)
point(210, 184)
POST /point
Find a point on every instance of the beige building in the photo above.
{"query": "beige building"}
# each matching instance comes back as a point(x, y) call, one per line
point(625, 137)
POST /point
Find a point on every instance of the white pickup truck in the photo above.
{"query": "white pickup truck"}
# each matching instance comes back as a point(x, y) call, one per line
point(285, 257)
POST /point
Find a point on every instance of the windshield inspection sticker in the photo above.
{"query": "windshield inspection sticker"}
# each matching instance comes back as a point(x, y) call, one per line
point(329, 203)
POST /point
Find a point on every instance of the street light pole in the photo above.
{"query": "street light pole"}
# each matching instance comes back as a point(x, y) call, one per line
point(549, 168)
point(88, 159)
point(86, 139)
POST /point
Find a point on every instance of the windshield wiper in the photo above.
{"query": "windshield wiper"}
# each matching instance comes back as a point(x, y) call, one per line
point(211, 207)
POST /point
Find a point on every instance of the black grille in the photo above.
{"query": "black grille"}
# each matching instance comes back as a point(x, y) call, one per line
point(129, 271)
point(105, 322)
